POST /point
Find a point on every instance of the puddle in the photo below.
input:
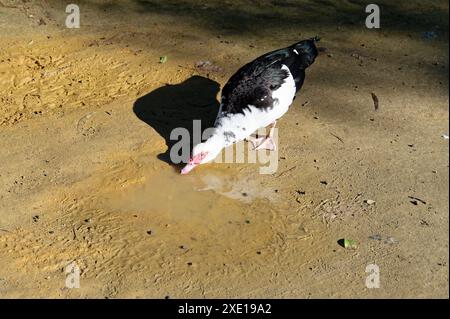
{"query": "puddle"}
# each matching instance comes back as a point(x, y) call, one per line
point(244, 188)
point(187, 198)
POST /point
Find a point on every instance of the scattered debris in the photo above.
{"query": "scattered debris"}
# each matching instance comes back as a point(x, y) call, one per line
point(163, 59)
point(417, 200)
point(369, 202)
point(375, 101)
point(445, 136)
point(356, 56)
point(305, 103)
point(390, 241)
point(324, 182)
point(423, 222)
point(207, 66)
point(387, 240)
point(339, 139)
point(376, 237)
point(288, 170)
point(149, 232)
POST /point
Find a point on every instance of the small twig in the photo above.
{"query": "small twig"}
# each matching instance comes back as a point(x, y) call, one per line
point(340, 139)
point(74, 233)
point(417, 199)
point(290, 169)
point(375, 101)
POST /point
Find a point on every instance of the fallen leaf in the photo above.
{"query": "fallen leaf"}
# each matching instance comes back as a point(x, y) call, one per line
point(347, 243)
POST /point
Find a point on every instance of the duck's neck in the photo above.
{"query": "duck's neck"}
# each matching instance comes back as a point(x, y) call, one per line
point(217, 139)
point(215, 143)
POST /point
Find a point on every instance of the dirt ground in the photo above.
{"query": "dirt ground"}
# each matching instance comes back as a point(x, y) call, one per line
point(84, 131)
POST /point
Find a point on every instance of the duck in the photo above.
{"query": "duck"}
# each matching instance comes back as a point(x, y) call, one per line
point(255, 97)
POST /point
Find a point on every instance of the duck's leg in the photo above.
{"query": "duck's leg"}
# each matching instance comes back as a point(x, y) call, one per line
point(266, 142)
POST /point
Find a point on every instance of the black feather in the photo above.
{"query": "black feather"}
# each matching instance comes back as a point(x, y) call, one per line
point(254, 83)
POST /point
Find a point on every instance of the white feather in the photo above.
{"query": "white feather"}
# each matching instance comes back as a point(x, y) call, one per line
point(243, 125)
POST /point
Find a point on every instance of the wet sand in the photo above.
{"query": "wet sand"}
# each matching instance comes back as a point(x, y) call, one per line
point(85, 121)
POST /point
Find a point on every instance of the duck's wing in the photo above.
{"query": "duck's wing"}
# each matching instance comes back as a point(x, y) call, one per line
point(254, 83)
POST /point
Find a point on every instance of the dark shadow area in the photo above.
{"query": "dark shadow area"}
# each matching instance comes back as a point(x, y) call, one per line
point(177, 106)
point(252, 16)
point(245, 17)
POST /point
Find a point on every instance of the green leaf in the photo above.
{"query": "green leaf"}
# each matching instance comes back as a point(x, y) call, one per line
point(348, 243)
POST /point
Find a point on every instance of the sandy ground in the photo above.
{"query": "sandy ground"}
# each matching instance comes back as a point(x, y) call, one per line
point(85, 116)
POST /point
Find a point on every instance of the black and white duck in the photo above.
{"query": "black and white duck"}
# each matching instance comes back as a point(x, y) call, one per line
point(256, 96)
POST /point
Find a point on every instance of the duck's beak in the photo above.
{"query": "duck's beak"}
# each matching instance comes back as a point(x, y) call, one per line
point(193, 161)
point(189, 167)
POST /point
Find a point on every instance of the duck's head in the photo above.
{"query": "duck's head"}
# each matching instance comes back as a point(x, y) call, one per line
point(203, 153)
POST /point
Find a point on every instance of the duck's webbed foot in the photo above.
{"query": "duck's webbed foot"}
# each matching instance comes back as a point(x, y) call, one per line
point(264, 142)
